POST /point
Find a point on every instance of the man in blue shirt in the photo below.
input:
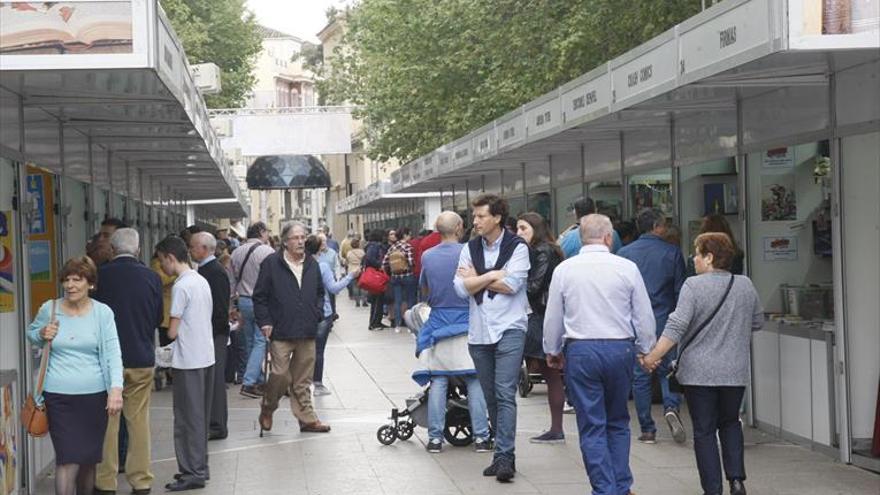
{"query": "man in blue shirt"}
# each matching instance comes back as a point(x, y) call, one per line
point(662, 266)
point(492, 271)
point(570, 240)
point(442, 346)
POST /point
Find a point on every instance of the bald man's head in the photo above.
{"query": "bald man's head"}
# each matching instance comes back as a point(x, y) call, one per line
point(448, 224)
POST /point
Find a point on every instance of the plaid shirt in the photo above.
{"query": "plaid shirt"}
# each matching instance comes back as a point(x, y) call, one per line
point(407, 249)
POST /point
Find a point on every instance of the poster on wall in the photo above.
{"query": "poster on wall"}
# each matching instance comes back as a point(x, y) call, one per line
point(778, 200)
point(41, 261)
point(7, 264)
point(8, 443)
point(778, 158)
point(37, 199)
point(780, 248)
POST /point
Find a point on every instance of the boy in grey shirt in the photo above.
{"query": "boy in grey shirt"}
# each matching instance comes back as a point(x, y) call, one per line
point(192, 364)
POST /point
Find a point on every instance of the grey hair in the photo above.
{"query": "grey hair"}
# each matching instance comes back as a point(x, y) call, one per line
point(290, 226)
point(125, 241)
point(649, 219)
point(594, 228)
point(205, 239)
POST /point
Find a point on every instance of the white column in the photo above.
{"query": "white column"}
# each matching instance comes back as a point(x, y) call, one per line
point(314, 197)
point(433, 208)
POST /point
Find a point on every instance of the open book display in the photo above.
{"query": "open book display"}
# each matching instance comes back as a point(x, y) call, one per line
point(65, 27)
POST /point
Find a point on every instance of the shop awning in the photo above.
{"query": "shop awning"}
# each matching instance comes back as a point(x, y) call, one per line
point(113, 80)
point(377, 197)
point(675, 98)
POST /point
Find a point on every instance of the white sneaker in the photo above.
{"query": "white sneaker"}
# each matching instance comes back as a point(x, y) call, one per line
point(320, 389)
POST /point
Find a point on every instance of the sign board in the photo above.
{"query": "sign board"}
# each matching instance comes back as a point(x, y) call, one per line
point(206, 77)
point(780, 248)
point(634, 81)
point(396, 179)
point(543, 118)
point(429, 167)
point(723, 37)
point(444, 162)
point(511, 131)
point(587, 98)
point(461, 154)
point(416, 171)
point(290, 134)
point(484, 144)
point(406, 175)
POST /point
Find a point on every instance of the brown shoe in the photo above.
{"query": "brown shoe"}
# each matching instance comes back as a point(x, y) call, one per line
point(316, 427)
point(265, 419)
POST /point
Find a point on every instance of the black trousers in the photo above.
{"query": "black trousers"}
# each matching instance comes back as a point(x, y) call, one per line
point(377, 309)
point(219, 413)
point(715, 416)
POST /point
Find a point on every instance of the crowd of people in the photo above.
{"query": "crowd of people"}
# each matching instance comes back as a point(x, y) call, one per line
point(596, 313)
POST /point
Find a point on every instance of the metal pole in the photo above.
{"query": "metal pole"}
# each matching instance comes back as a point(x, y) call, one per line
point(624, 183)
point(63, 210)
point(584, 189)
point(92, 179)
point(110, 210)
point(843, 409)
point(676, 200)
point(125, 210)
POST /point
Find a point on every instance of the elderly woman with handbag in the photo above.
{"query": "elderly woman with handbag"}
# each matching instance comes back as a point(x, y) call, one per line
point(83, 380)
point(712, 325)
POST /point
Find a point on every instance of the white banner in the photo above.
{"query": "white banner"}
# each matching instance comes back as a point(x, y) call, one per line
point(296, 134)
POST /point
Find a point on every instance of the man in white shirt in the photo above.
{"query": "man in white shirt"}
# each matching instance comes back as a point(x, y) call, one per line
point(599, 314)
point(192, 364)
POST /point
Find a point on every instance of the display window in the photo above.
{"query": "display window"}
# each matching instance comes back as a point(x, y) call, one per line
point(651, 190)
point(790, 263)
point(608, 198)
point(565, 199)
point(709, 200)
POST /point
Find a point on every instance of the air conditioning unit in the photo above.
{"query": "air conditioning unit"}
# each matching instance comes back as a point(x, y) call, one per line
point(222, 126)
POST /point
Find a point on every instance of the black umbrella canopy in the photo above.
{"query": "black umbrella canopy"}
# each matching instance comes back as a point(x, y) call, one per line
point(287, 172)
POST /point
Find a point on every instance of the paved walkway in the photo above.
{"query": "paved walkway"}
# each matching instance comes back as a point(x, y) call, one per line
point(368, 373)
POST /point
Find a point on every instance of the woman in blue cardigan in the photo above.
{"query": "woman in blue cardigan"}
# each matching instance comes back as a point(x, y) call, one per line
point(84, 378)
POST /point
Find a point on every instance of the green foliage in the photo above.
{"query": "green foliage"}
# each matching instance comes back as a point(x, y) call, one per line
point(223, 32)
point(426, 72)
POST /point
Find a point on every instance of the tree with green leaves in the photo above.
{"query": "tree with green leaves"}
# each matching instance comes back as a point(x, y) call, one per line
point(223, 32)
point(426, 72)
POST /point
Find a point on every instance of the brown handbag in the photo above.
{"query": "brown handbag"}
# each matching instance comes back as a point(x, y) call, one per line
point(33, 415)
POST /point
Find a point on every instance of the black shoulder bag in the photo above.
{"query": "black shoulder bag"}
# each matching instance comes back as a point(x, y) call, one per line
point(674, 386)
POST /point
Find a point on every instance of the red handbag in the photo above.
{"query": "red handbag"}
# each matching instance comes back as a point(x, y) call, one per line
point(373, 281)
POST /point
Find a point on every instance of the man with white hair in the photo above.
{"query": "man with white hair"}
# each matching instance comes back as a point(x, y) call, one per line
point(201, 248)
point(598, 319)
point(134, 293)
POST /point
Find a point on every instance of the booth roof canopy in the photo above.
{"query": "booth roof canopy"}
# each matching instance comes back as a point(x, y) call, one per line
point(287, 172)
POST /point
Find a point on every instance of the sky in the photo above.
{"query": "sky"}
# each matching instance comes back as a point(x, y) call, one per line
point(301, 18)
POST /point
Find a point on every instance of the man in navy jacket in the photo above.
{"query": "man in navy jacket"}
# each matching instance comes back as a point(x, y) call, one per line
point(134, 293)
point(288, 304)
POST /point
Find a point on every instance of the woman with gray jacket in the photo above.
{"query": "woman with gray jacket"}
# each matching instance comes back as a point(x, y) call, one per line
point(712, 325)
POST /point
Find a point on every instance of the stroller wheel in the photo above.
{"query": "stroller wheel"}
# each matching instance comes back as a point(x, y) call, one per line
point(458, 435)
point(405, 430)
point(525, 383)
point(387, 434)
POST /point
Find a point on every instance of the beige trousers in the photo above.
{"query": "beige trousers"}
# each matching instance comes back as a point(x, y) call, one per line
point(293, 363)
point(136, 391)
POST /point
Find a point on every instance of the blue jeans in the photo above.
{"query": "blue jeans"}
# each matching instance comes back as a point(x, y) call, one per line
point(437, 407)
point(498, 367)
point(404, 291)
point(598, 374)
point(253, 373)
point(715, 416)
point(321, 337)
point(641, 389)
